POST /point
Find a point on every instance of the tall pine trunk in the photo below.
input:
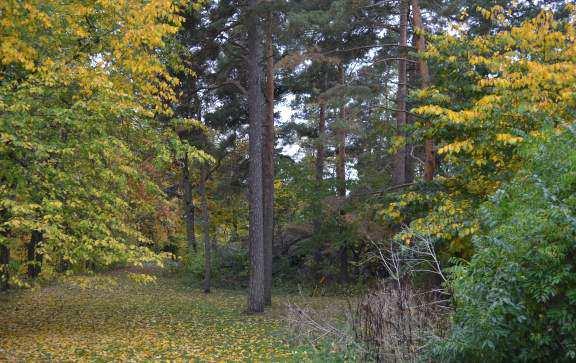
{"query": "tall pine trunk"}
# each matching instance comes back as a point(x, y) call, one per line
point(268, 165)
point(429, 149)
point(341, 173)
point(34, 257)
point(205, 230)
point(188, 207)
point(255, 116)
point(4, 268)
point(320, 160)
point(341, 142)
point(410, 158)
point(399, 160)
point(319, 169)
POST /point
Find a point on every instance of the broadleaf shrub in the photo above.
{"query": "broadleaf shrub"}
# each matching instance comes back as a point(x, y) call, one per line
point(516, 299)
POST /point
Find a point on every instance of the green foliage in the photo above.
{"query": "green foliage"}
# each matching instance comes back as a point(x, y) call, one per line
point(502, 112)
point(516, 299)
point(230, 265)
point(491, 92)
point(80, 85)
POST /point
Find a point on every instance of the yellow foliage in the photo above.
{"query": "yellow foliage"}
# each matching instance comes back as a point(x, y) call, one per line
point(508, 139)
point(56, 42)
point(529, 85)
point(456, 147)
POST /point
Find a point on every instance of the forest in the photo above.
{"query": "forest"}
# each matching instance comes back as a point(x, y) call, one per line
point(288, 180)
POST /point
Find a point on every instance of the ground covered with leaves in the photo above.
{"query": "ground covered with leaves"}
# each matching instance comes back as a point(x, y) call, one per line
point(112, 317)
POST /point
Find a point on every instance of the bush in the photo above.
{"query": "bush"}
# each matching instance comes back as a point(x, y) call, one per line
point(516, 299)
point(229, 265)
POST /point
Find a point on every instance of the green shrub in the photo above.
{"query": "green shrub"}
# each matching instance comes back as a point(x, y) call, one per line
point(229, 266)
point(516, 299)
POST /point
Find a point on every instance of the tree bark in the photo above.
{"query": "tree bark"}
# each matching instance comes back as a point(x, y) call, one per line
point(234, 234)
point(4, 268)
point(410, 157)
point(268, 165)
point(429, 148)
point(320, 157)
point(341, 142)
point(205, 230)
point(319, 170)
point(320, 152)
point(34, 257)
point(188, 207)
point(399, 161)
point(341, 174)
point(255, 116)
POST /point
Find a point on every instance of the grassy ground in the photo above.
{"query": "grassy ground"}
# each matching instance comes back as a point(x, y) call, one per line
point(114, 318)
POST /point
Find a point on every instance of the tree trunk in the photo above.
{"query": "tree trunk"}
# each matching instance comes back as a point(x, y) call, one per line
point(255, 116)
point(234, 234)
point(4, 268)
point(268, 165)
point(341, 158)
point(320, 163)
point(341, 142)
point(188, 207)
point(206, 230)
point(429, 149)
point(410, 156)
point(399, 161)
point(344, 273)
point(341, 174)
point(320, 157)
point(34, 258)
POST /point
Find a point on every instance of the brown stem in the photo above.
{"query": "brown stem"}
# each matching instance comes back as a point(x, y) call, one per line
point(256, 120)
point(268, 165)
point(205, 230)
point(429, 149)
point(399, 160)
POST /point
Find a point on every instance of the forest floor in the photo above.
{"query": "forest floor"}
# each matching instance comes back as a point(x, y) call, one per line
point(111, 317)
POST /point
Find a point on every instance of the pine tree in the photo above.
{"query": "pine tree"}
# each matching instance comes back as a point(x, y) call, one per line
point(256, 297)
point(399, 166)
point(268, 162)
point(429, 149)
